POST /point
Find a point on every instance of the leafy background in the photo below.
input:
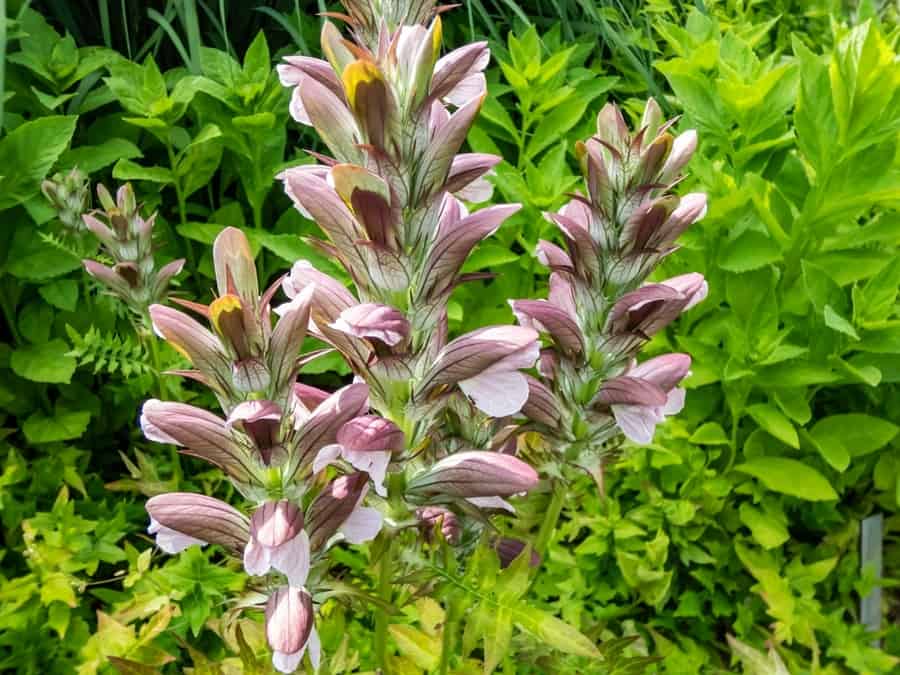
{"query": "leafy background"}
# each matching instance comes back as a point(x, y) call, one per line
point(742, 520)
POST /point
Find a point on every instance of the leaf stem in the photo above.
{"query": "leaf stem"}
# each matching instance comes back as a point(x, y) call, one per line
point(384, 592)
point(551, 517)
point(448, 638)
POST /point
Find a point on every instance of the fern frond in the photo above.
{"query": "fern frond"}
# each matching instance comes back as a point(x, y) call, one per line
point(109, 353)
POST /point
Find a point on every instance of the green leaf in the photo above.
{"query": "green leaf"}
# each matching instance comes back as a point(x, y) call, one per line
point(47, 362)
point(92, 158)
point(62, 294)
point(794, 404)
point(710, 433)
point(27, 154)
point(489, 255)
point(64, 425)
point(421, 648)
point(790, 477)
point(555, 632)
point(32, 259)
point(830, 448)
point(774, 421)
point(749, 251)
point(555, 125)
point(767, 530)
point(860, 434)
point(125, 169)
point(836, 322)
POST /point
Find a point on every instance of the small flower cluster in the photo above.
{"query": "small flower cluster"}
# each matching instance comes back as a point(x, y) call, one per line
point(70, 195)
point(127, 238)
point(600, 310)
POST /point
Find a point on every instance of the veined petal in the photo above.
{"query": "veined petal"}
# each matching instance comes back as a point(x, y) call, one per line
point(196, 517)
point(332, 119)
point(454, 73)
point(637, 422)
point(664, 371)
point(492, 349)
point(200, 433)
point(456, 240)
point(372, 320)
point(476, 474)
point(333, 506)
point(541, 315)
point(193, 341)
point(287, 339)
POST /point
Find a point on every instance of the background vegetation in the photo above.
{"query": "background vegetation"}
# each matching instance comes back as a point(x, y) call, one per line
point(742, 520)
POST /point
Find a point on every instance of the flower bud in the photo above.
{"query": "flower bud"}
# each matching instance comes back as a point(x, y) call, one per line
point(182, 519)
point(476, 474)
point(289, 626)
point(436, 518)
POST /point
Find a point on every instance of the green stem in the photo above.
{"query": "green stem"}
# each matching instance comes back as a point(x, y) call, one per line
point(175, 458)
point(385, 577)
point(551, 517)
point(448, 638)
point(182, 203)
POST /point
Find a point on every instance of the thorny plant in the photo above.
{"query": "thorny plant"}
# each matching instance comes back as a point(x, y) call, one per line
point(422, 445)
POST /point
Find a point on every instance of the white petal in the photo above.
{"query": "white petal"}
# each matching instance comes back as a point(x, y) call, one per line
point(298, 112)
point(637, 422)
point(171, 541)
point(491, 503)
point(292, 559)
point(287, 663)
point(362, 525)
point(315, 648)
point(373, 463)
point(497, 394)
point(674, 401)
point(326, 456)
point(257, 558)
point(468, 89)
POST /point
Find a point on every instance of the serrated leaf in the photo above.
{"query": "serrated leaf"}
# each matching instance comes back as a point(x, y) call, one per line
point(555, 632)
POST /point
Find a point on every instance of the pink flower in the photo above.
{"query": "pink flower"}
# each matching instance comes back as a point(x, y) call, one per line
point(646, 395)
point(485, 364)
point(367, 443)
point(290, 628)
point(278, 541)
point(338, 509)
